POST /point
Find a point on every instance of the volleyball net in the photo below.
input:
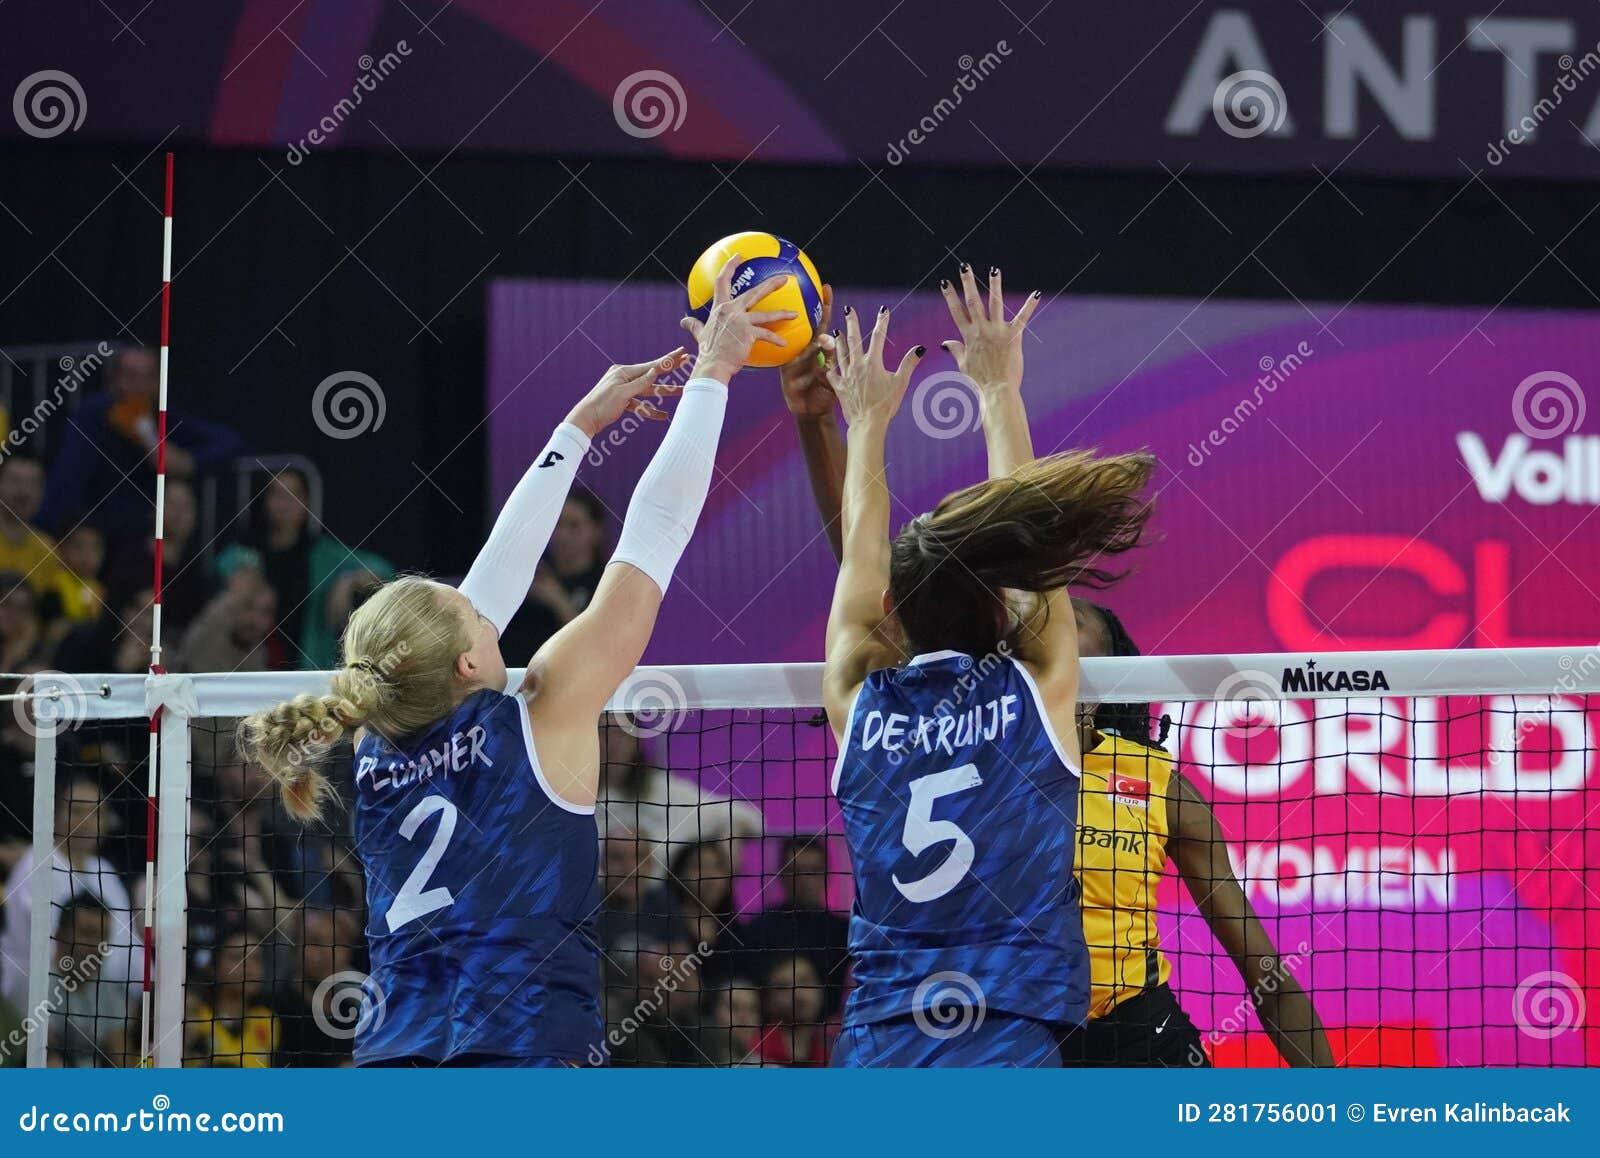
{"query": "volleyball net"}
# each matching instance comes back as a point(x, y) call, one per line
point(1418, 833)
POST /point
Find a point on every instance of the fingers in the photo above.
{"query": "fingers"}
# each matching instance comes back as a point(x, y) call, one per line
point(665, 389)
point(762, 317)
point(643, 409)
point(841, 351)
point(909, 362)
point(665, 364)
point(997, 305)
point(693, 325)
point(852, 332)
point(880, 336)
point(955, 349)
point(761, 289)
point(827, 309)
point(1026, 311)
point(771, 339)
point(723, 287)
point(969, 292)
point(952, 299)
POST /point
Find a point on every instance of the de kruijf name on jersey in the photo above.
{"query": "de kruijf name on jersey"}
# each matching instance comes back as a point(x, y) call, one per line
point(1308, 677)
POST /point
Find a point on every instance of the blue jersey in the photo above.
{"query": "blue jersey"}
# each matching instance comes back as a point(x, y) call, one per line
point(960, 809)
point(482, 892)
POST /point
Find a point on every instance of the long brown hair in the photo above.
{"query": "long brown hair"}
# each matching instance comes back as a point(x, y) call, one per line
point(1049, 524)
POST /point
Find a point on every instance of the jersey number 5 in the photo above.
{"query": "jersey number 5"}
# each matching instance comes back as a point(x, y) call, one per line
point(922, 832)
point(415, 899)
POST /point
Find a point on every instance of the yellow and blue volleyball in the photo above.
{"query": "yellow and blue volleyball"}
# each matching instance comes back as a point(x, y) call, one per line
point(762, 256)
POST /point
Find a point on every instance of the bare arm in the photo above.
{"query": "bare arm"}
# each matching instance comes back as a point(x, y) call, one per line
point(857, 641)
point(1201, 854)
point(810, 398)
point(577, 670)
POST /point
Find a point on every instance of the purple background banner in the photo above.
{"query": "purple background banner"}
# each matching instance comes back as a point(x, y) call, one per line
point(1325, 483)
point(1364, 87)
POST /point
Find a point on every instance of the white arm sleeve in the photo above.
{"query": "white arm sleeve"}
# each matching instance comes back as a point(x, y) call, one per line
point(501, 574)
point(667, 501)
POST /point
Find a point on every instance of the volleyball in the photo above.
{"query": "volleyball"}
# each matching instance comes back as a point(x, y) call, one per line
point(764, 255)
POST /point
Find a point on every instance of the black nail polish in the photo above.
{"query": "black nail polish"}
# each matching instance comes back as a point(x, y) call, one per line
point(847, 311)
point(836, 333)
point(920, 350)
point(1035, 294)
point(882, 308)
point(944, 283)
point(965, 267)
point(994, 271)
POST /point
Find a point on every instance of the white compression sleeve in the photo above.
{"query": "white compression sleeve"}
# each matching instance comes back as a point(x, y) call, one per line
point(501, 574)
point(667, 501)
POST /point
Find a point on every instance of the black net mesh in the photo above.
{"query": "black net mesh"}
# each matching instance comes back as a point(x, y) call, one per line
point(1420, 868)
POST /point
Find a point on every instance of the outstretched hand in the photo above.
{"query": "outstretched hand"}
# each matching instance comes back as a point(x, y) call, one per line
point(733, 326)
point(867, 390)
point(628, 389)
point(804, 380)
point(990, 349)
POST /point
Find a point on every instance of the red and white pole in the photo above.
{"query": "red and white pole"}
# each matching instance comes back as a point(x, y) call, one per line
point(146, 995)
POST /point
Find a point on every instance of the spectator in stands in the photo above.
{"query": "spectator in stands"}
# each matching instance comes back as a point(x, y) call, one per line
point(235, 632)
point(670, 811)
point(82, 823)
point(232, 1023)
point(315, 576)
point(186, 583)
point(76, 595)
point(87, 1026)
point(802, 922)
point(796, 1031)
point(326, 951)
point(106, 463)
point(698, 902)
point(565, 580)
point(119, 641)
point(731, 1028)
point(24, 548)
point(23, 647)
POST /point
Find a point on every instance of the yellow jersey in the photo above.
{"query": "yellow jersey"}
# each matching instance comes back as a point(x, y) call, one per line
point(1122, 853)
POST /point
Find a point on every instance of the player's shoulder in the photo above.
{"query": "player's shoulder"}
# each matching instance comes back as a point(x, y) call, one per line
point(1113, 748)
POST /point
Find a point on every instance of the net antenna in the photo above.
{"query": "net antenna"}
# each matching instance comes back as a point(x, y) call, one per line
point(146, 989)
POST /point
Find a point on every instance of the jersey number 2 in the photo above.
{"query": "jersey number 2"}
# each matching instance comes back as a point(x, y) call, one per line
point(415, 899)
point(922, 832)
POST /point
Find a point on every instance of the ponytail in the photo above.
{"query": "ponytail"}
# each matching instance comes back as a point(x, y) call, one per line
point(405, 641)
point(1051, 523)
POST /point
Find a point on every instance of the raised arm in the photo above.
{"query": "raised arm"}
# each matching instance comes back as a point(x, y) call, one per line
point(1201, 854)
point(989, 353)
point(498, 580)
point(869, 395)
point(578, 669)
point(810, 398)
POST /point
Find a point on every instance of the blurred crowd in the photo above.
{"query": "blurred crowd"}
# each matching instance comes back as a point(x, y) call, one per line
point(275, 947)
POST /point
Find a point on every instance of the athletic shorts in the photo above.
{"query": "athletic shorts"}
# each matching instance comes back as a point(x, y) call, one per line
point(1150, 1029)
point(999, 1039)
